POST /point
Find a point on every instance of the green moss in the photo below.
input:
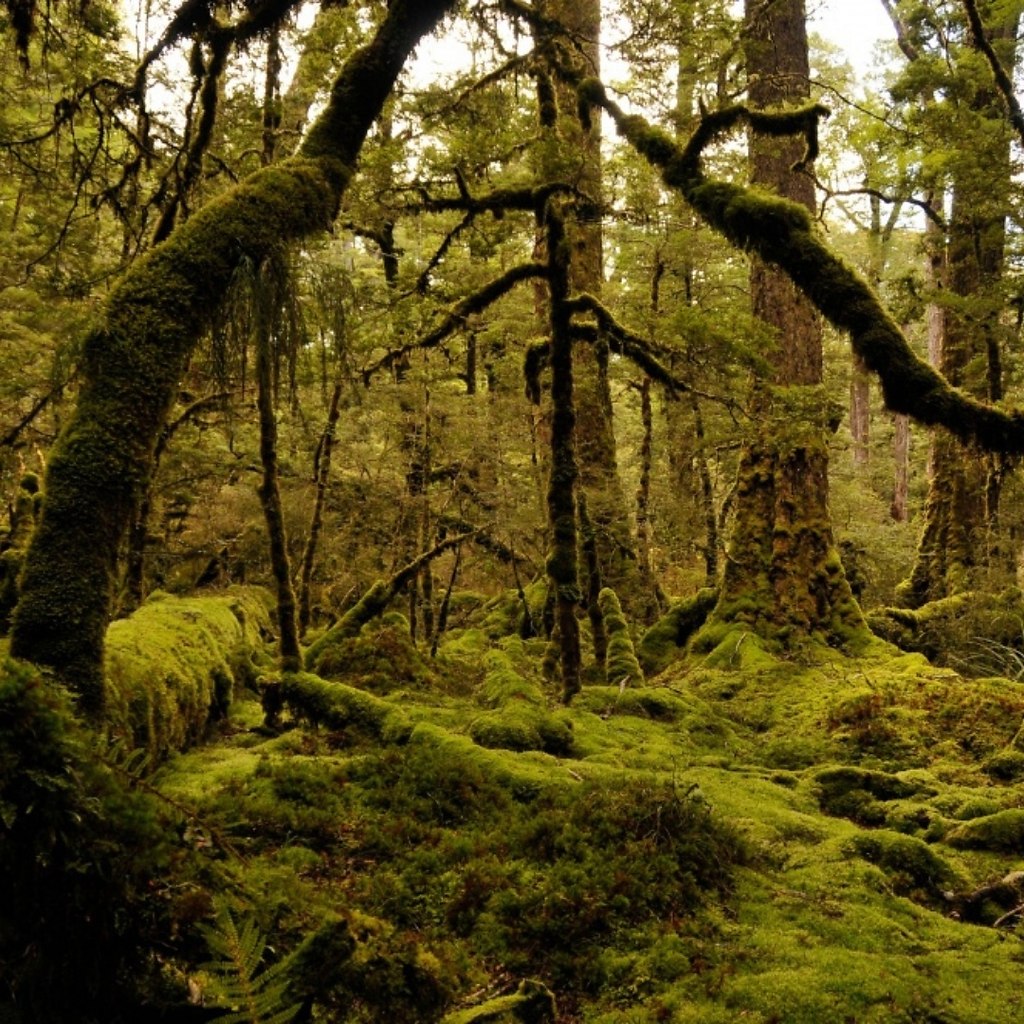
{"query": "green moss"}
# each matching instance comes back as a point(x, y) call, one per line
point(379, 658)
point(172, 667)
point(621, 666)
point(1002, 832)
point(523, 726)
point(335, 706)
point(1006, 765)
point(912, 866)
point(666, 639)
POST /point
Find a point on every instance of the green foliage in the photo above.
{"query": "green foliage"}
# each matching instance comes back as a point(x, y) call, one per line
point(79, 853)
point(253, 993)
point(531, 1003)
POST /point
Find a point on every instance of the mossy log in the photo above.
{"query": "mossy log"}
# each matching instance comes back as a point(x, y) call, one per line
point(174, 664)
point(663, 642)
point(133, 360)
point(531, 1003)
point(335, 706)
point(783, 233)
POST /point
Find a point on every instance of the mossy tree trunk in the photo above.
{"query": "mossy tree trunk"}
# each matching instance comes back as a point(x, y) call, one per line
point(960, 535)
point(783, 576)
point(321, 474)
point(562, 564)
point(577, 159)
point(267, 296)
point(132, 361)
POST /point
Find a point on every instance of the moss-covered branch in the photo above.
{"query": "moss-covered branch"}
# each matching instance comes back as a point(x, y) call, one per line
point(783, 233)
point(456, 316)
point(132, 361)
point(378, 597)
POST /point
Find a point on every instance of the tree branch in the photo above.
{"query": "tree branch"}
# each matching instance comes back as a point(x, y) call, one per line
point(456, 317)
point(1003, 80)
point(783, 233)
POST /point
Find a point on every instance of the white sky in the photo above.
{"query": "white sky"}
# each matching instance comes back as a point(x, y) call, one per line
point(855, 26)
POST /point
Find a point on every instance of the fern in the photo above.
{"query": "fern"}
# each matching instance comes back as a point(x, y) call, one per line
point(251, 996)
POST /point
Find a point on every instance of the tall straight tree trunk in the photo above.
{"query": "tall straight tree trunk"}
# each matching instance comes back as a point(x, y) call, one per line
point(960, 535)
point(562, 561)
point(133, 360)
point(580, 163)
point(269, 489)
point(783, 577)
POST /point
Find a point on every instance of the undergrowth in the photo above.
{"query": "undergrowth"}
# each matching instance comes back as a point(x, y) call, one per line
point(744, 838)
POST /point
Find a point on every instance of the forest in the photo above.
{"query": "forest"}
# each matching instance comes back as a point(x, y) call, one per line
point(510, 511)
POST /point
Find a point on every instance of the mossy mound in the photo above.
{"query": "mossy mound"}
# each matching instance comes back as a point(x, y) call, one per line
point(381, 658)
point(524, 727)
point(174, 665)
point(977, 633)
point(666, 639)
point(1002, 832)
point(521, 719)
point(621, 667)
point(913, 867)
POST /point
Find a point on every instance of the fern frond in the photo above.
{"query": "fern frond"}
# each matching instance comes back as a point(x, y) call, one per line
point(250, 995)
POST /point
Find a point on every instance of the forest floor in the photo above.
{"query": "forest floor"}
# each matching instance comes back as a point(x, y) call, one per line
point(746, 838)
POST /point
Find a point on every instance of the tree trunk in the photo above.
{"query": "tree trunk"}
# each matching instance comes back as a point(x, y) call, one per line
point(901, 473)
point(579, 162)
point(322, 471)
point(783, 577)
point(562, 563)
point(959, 538)
point(132, 362)
point(269, 489)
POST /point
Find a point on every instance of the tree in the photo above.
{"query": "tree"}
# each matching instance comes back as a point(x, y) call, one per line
point(961, 530)
point(783, 575)
point(134, 359)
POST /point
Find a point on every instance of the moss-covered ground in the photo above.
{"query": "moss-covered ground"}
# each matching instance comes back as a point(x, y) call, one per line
point(744, 838)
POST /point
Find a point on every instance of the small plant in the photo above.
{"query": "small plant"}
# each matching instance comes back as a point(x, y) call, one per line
point(251, 996)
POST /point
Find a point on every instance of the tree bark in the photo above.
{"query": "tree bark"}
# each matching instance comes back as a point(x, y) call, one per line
point(580, 164)
point(316, 519)
point(562, 562)
point(132, 362)
point(269, 490)
point(960, 536)
point(783, 576)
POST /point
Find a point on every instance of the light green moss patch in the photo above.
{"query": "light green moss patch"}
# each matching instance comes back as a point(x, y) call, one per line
point(173, 666)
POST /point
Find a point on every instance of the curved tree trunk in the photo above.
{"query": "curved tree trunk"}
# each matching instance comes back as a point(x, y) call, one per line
point(133, 360)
